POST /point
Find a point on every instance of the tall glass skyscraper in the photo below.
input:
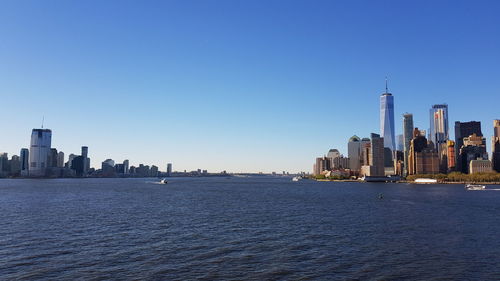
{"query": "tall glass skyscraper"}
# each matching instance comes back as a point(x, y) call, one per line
point(39, 152)
point(439, 130)
point(387, 120)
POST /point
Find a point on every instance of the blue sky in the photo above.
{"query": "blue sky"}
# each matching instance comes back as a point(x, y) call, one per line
point(238, 85)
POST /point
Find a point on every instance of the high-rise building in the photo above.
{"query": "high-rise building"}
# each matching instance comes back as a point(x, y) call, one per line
point(52, 162)
point(462, 130)
point(439, 133)
point(495, 146)
point(474, 148)
point(322, 164)
point(86, 160)
point(374, 157)
point(60, 159)
point(70, 160)
point(354, 154)
point(452, 162)
point(387, 128)
point(332, 155)
point(169, 169)
point(400, 142)
point(422, 157)
point(15, 166)
point(24, 158)
point(126, 167)
point(39, 152)
point(407, 136)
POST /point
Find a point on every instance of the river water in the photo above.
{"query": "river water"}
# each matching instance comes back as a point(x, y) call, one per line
point(255, 228)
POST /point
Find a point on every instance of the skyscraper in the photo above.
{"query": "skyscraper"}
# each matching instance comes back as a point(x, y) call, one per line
point(86, 160)
point(354, 153)
point(169, 169)
point(387, 129)
point(462, 130)
point(474, 148)
point(24, 158)
point(60, 159)
point(422, 158)
point(495, 146)
point(439, 132)
point(407, 136)
point(374, 157)
point(39, 152)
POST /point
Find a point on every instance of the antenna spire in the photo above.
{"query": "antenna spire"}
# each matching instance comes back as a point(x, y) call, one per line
point(386, 89)
point(43, 119)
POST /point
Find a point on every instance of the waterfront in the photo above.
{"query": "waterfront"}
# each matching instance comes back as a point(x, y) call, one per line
point(255, 228)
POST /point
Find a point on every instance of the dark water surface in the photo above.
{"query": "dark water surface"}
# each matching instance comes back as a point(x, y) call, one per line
point(258, 228)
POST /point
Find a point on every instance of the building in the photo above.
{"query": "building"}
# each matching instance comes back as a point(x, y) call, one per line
point(70, 160)
point(354, 153)
point(169, 169)
point(407, 137)
point(322, 164)
point(15, 166)
point(78, 165)
point(439, 133)
point(52, 158)
point(387, 128)
point(474, 148)
point(373, 162)
point(451, 156)
point(126, 169)
point(39, 152)
point(462, 130)
point(495, 146)
point(86, 160)
point(24, 158)
point(422, 157)
point(108, 168)
point(60, 159)
point(480, 166)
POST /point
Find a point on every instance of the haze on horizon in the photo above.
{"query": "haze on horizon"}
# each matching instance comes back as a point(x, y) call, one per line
point(242, 86)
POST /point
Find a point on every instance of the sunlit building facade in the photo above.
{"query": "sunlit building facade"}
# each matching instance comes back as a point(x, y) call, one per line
point(39, 152)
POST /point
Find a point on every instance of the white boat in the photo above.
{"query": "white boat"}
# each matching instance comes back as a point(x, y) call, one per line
point(475, 187)
point(164, 181)
point(296, 178)
point(425, 181)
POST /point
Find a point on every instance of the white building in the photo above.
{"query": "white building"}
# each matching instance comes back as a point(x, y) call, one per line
point(39, 152)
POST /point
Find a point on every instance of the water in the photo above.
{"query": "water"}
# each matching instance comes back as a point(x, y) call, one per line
point(258, 228)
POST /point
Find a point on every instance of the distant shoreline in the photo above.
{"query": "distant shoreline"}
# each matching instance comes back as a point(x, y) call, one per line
point(412, 182)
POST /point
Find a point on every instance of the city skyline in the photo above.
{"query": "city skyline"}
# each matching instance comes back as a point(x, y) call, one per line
point(237, 87)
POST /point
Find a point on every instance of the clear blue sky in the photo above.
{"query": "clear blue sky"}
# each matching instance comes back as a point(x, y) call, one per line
point(238, 85)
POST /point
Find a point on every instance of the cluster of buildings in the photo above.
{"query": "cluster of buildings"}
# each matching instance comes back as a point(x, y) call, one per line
point(42, 160)
point(417, 151)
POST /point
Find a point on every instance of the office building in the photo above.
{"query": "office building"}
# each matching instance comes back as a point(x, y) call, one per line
point(451, 156)
point(407, 137)
point(439, 133)
point(39, 152)
point(86, 160)
point(169, 169)
point(354, 154)
point(60, 159)
point(474, 148)
point(462, 130)
point(24, 158)
point(374, 157)
point(126, 169)
point(322, 164)
point(70, 160)
point(52, 158)
point(422, 157)
point(108, 168)
point(387, 128)
point(495, 146)
point(480, 166)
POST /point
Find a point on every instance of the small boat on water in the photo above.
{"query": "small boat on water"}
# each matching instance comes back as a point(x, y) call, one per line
point(475, 187)
point(296, 178)
point(425, 181)
point(163, 181)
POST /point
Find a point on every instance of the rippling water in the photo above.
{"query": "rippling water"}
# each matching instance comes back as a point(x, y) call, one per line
point(257, 228)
